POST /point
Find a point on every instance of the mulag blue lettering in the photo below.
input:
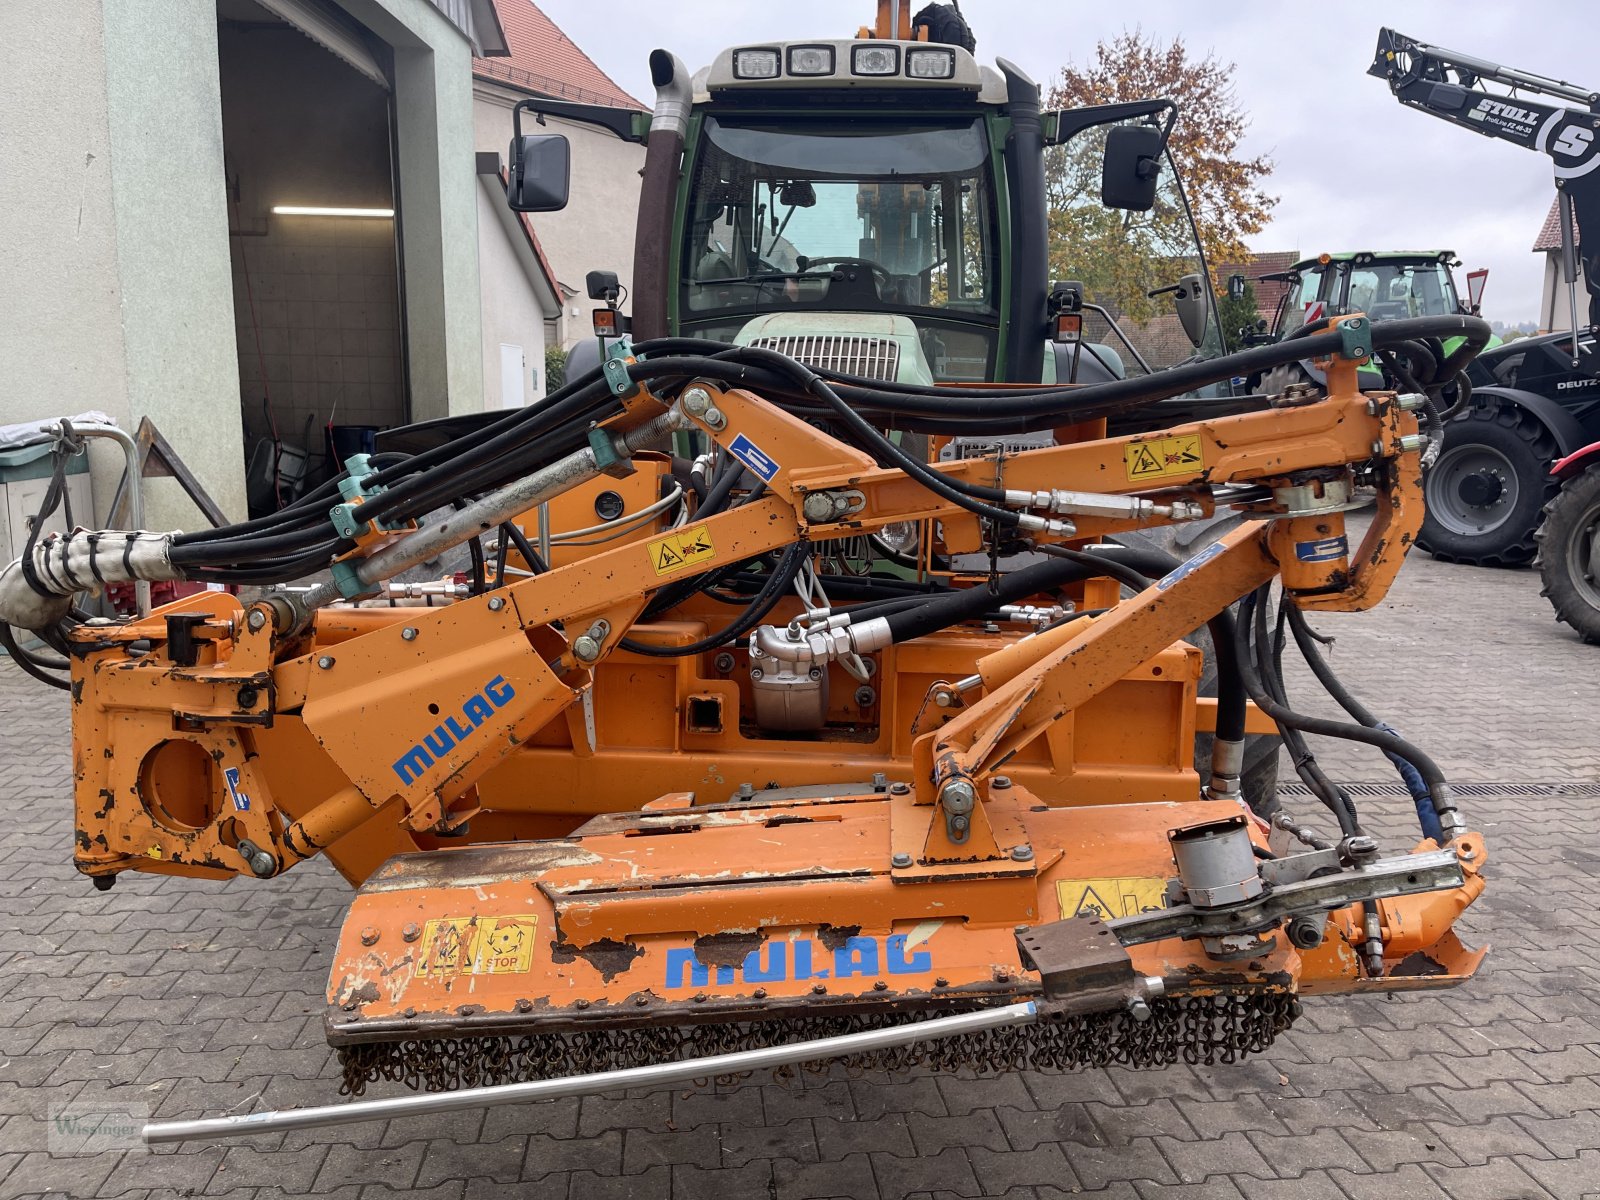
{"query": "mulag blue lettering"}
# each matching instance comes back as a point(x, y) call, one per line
point(785, 960)
point(455, 730)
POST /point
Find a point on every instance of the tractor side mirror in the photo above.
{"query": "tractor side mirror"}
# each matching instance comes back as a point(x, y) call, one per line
point(1190, 299)
point(540, 174)
point(1132, 167)
point(799, 194)
point(1235, 287)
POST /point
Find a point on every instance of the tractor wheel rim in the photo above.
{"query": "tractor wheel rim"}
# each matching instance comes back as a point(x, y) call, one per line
point(1583, 555)
point(1460, 473)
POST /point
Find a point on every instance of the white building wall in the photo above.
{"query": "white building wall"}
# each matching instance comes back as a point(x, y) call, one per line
point(1555, 309)
point(511, 313)
point(114, 282)
point(595, 231)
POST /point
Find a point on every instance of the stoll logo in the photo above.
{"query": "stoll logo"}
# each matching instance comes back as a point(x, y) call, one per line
point(780, 961)
point(479, 708)
point(1510, 112)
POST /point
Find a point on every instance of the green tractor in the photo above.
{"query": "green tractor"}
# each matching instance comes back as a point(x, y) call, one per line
point(1384, 284)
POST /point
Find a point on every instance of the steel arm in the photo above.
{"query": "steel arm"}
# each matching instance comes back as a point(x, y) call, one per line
point(1452, 86)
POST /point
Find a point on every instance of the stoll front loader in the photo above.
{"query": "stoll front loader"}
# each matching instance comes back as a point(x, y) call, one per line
point(700, 774)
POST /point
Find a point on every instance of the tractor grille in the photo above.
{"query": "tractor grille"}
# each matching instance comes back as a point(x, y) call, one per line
point(868, 357)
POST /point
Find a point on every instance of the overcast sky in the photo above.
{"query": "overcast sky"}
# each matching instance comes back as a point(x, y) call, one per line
point(1353, 169)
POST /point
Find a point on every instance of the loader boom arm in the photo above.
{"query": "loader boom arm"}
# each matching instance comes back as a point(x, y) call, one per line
point(1456, 87)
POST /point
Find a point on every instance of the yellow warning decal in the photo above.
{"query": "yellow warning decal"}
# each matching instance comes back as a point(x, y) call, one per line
point(681, 548)
point(1163, 456)
point(477, 945)
point(1111, 897)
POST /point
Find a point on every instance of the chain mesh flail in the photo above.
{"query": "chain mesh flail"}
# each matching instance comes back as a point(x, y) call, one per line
point(1198, 1029)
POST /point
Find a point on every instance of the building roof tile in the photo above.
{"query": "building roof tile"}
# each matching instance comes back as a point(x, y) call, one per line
point(547, 62)
point(1550, 232)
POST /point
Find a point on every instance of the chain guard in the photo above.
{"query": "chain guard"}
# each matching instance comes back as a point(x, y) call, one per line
point(1196, 1029)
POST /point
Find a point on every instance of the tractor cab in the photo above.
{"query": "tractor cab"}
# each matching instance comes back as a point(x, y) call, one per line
point(1386, 285)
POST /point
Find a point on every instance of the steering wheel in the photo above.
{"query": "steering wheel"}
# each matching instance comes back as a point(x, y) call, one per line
point(876, 267)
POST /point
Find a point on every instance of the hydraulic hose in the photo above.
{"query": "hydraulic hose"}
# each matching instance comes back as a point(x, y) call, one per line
point(783, 575)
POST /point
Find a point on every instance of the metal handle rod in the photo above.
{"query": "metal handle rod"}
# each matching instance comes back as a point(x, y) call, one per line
point(65, 430)
point(654, 1075)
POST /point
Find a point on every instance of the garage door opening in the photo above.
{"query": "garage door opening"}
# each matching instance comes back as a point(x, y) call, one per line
point(317, 269)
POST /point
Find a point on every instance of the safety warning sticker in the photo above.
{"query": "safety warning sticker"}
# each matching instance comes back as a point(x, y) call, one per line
point(1163, 456)
point(679, 549)
point(1111, 897)
point(477, 945)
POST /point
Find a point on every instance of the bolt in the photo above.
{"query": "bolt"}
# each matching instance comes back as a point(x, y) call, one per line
point(943, 699)
point(369, 936)
point(463, 1010)
point(325, 662)
point(1000, 782)
point(760, 993)
point(715, 419)
point(1138, 1009)
point(580, 1003)
point(1022, 853)
point(411, 932)
point(880, 986)
point(819, 989)
point(496, 603)
point(641, 1001)
point(866, 697)
point(747, 791)
point(900, 861)
point(941, 981)
point(959, 826)
point(814, 674)
point(524, 1006)
point(248, 696)
point(899, 789)
point(756, 672)
point(257, 620)
point(958, 796)
point(408, 634)
point(409, 1013)
point(586, 648)
point(820, 507)
point(700, 998)
point(723, 662)
point(696, 400)
point(880, 781)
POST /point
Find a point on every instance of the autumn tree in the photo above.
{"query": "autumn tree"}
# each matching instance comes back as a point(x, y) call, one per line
point(1121, 255)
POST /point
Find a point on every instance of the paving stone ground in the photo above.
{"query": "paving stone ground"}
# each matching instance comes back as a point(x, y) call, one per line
point(194, 998)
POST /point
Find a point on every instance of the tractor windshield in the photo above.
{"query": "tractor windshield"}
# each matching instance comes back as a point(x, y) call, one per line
point(1384, 289)
point(860, 217)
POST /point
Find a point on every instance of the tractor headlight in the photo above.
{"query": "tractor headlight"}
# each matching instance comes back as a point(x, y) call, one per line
point(811, 60)
point(931, 64)
point(899, 537)
point(756, 63)
point(875, 60)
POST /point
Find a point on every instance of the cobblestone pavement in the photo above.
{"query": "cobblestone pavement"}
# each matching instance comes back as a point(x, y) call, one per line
point(196, 998)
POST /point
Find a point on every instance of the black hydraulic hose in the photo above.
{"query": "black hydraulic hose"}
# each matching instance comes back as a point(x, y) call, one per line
point(27, 661)
point(1306, 639)
point(964, 604)
point(783, 575)
point(535, 562)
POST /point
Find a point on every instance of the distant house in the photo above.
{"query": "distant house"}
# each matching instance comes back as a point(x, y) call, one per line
point(1555, 308)
point(595, 231)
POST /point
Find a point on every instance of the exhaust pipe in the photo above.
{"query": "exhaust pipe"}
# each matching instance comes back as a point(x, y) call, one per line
point(652, 241)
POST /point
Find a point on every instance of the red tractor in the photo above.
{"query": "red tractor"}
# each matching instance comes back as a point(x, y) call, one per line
point(1569, 543)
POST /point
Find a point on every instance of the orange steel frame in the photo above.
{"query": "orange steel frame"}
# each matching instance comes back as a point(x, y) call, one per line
point(289, 740)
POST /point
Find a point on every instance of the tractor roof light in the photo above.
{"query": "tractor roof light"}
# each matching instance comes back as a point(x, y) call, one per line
point(875, 60)
point(810, 60)
point(755, 62)
point(931, 64)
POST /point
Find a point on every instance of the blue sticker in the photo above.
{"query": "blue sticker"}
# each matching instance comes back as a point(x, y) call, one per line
point(241, 802)
point(1323, 550)
point(1193, 564)
point(751, 456)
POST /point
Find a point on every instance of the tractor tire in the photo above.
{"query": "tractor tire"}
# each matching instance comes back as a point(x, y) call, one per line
point(1487, 488)
point(1569, 554)
point(1259, 776)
